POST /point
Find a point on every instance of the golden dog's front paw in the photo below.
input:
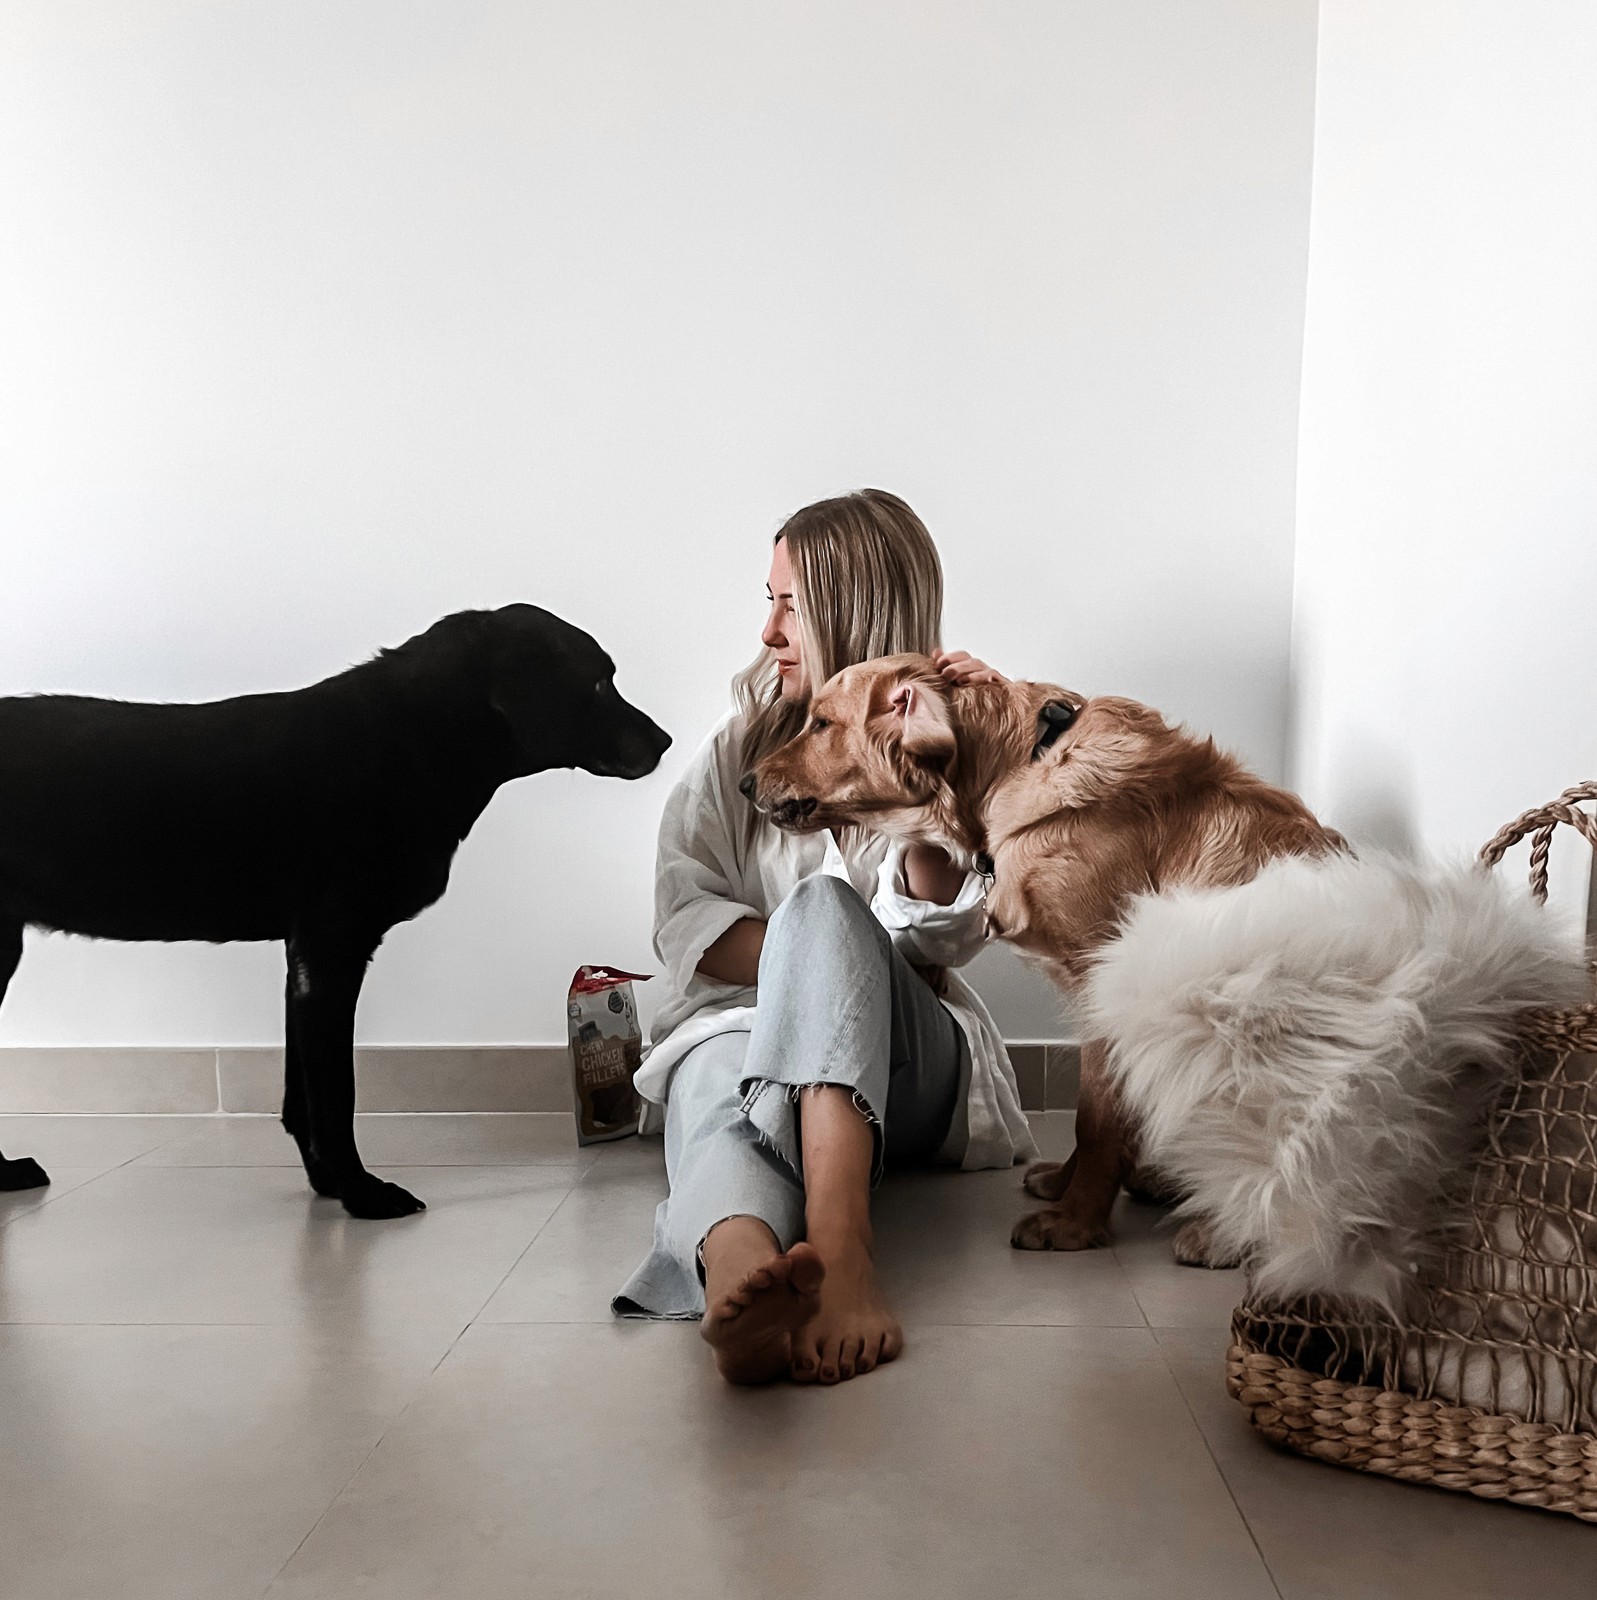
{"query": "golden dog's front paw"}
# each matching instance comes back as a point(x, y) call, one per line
point(1057, 1230)
point(1048, 1180)
point(1194, 1246)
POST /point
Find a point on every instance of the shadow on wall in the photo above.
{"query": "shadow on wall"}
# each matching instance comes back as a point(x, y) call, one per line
point(1372, 799)
point(1024, 1003)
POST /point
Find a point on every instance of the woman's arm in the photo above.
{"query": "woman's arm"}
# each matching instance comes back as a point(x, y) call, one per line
point(735, 956)
point(929, 933)
point(697, 903)
point(930, 875)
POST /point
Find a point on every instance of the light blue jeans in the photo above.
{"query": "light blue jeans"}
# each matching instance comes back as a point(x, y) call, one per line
point(837, 1005)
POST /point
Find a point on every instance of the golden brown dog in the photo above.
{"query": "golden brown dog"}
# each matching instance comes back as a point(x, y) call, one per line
point(1072, 806)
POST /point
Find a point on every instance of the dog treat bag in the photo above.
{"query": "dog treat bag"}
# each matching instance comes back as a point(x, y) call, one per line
point(606, 1049)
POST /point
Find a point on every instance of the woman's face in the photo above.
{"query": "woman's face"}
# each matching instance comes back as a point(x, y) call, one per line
point(781, 635)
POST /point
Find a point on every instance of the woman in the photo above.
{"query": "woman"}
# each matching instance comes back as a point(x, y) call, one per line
point(780, 1116)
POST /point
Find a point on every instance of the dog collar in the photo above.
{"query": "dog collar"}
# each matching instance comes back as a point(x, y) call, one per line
point(985, 866)
point(1052, 721)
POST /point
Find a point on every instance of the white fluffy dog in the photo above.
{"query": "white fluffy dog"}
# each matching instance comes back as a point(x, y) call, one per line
point(1311, 1053)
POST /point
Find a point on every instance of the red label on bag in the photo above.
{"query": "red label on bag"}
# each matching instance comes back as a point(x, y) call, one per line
point(595, 980)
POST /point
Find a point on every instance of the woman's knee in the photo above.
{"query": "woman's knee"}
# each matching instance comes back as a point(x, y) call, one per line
point(824, 907)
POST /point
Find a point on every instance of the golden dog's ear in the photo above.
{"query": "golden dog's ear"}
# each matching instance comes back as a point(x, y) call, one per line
point(926, 727)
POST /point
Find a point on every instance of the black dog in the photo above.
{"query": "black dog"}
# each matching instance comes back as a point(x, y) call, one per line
point(319, 817)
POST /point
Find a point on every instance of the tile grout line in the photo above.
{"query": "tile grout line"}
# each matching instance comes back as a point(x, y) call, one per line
point(399, 1415)
point(607, 1321)
point(59, 1322)
point(546, 1063)
point(88, 1183)
point(1242, 1515)
point(360, 1466)
point(1131, 1288)
point(1114, 1255)
point(471, 1322)
point(611, 1320)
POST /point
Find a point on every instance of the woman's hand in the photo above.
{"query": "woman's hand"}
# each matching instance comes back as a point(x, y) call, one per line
point(960, 666)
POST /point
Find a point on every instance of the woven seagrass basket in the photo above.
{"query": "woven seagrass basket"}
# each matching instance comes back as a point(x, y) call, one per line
point(1489, 1383)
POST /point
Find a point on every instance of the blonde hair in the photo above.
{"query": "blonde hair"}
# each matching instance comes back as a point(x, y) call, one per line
point(866, 582)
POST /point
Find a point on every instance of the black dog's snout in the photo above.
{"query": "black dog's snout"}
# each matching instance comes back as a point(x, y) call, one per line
point(746, 787)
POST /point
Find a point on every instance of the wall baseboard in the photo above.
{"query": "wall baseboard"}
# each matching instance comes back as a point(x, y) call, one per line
point(112, 1080)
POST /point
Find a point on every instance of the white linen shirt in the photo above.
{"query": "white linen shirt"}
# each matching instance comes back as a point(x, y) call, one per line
point(711, 873)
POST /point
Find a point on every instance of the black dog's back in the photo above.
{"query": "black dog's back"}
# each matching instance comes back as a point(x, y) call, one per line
point(113, 815)
point(130, 821)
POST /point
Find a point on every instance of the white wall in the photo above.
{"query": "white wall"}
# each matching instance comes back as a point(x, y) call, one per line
point(321, 320)
point(1447, 505)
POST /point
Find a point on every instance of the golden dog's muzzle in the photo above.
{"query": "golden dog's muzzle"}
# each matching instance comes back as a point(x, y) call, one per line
point(790, 813)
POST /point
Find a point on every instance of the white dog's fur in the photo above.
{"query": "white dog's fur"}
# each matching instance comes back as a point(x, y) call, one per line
point(1310, 1053)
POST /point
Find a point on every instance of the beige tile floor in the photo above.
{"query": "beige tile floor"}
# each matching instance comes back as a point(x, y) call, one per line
point(213, 1385)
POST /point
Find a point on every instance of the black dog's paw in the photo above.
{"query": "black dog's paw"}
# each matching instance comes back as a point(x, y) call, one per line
point(321, 1179)
point(23, 1172)
point(366, 1196)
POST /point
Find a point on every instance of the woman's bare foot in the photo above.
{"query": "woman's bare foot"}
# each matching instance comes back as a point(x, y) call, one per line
point(756, 1300)
point(853, 1330)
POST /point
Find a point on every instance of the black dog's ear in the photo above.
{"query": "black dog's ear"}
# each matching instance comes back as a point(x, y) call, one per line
point(534, 660)
point(521, 707)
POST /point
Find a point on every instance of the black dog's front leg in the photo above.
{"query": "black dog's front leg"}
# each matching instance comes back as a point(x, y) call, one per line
point(324, 981)
point(20, 1172)
point(296, 1113)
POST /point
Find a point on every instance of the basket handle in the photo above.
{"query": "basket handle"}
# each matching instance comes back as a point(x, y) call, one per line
point(1541, 821)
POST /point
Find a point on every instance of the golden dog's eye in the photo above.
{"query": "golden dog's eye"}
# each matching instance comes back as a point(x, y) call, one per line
point(818, 723)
